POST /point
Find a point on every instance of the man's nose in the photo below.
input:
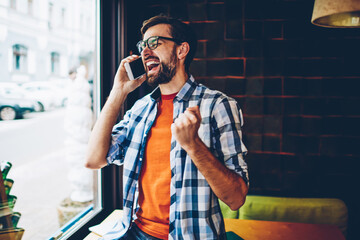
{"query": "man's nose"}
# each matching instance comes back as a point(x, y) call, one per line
point(146, 51)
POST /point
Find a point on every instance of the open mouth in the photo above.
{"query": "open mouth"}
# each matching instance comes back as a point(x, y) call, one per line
point(152, 66)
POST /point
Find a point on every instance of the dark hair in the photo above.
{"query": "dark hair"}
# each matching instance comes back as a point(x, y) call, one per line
point(178, 30)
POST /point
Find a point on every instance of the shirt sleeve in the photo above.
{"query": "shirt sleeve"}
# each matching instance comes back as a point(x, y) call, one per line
point(118, 143)
point(227, 136)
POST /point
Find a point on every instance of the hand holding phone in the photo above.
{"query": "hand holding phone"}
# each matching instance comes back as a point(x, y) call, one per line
point(135, 69)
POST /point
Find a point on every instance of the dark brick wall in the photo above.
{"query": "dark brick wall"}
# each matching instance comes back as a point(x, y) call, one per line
point(297, 84)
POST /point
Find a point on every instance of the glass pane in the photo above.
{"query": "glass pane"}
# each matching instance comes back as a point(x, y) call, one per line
point(47, 66)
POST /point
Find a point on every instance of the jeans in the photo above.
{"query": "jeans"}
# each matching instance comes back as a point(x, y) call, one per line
point(135, 233)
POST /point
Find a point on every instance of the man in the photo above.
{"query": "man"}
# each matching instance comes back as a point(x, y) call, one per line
point(180, 145)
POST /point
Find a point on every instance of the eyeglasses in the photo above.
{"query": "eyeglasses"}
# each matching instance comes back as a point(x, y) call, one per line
point(152, 42)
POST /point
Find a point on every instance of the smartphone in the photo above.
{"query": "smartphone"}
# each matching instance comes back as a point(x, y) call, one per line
point(135, 69)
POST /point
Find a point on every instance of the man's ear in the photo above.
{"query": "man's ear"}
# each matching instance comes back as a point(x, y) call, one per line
point(183, 50)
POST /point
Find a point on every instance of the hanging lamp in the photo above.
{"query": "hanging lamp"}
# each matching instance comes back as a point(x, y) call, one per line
point(336, 13)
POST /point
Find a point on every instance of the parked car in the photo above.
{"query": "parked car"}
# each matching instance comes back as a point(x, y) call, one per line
point(59, 95)
point(45, 101)
point(12, 108)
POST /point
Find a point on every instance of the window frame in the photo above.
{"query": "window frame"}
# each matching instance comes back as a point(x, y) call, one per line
point(20, 51)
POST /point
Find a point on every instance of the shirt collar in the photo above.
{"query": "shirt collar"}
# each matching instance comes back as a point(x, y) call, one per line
point(183, 95)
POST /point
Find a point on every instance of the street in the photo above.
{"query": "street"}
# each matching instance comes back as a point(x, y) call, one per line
point(38, 134)
point(35, 147)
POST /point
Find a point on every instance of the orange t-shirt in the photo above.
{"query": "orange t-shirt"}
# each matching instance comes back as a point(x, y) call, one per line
point(155, 177)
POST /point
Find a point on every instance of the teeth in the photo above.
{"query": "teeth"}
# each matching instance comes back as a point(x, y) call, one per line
point(151, 62)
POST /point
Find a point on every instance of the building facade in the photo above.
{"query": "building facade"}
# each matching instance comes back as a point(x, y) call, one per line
point(41, 40)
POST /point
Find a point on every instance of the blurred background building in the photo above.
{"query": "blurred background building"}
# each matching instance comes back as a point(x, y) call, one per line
point(40, 40)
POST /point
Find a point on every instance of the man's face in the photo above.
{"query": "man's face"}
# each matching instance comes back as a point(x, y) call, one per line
point(161, 62)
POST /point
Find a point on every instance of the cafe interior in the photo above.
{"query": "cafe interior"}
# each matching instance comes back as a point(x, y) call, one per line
point(293, 68)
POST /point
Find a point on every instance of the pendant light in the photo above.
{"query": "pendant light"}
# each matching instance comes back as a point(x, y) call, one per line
point(336, 13)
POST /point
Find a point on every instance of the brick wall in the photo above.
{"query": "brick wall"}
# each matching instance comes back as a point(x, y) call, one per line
point(298, 87)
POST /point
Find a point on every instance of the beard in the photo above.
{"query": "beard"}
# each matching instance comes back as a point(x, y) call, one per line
point(166, 71)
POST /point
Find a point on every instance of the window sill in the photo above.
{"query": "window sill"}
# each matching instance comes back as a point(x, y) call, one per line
point(116, 214)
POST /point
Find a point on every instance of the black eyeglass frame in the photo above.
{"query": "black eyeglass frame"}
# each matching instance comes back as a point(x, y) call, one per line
point(140, 45)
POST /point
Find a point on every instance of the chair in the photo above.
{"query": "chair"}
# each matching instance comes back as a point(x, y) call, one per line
point(285, 209)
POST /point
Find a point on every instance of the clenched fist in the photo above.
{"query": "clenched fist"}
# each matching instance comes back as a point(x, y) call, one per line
point(186, 126)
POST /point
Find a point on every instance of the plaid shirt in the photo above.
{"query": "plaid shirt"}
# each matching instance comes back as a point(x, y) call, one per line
point(194, 209)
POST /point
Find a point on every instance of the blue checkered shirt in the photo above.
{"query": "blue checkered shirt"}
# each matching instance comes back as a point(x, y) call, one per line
point(194, 209)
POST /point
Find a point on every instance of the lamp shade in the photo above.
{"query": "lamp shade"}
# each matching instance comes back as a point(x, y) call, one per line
point(336, 13)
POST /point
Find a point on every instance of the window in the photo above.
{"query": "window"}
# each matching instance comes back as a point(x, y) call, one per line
point(63, 13)
point(55, 63)
point(50, 16)
point(30, 7)
point(35, 144)
point(20, 58)
point(82, 23)
point(13, 4)
point(50, 183)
